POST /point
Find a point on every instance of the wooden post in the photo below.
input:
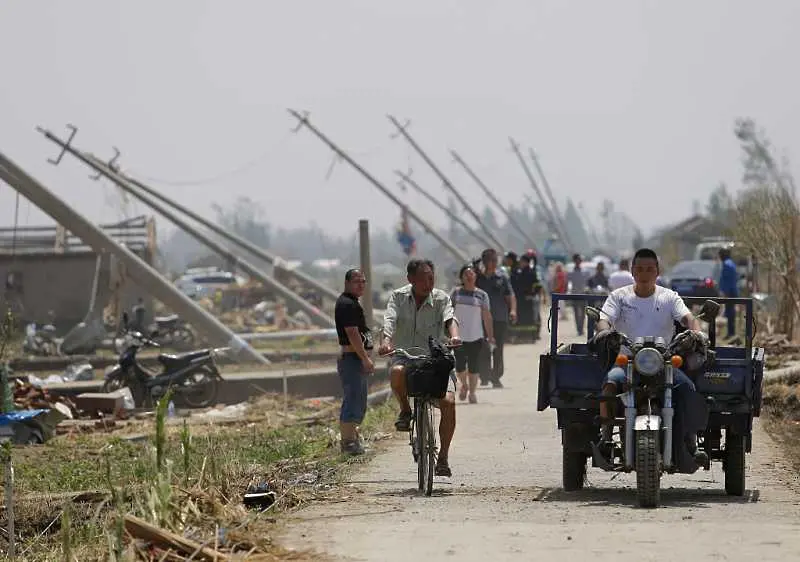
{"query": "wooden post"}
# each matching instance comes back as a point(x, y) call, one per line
point(366, 269)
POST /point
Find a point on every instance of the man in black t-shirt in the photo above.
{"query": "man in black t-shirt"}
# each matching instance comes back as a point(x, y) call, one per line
point(354, 364)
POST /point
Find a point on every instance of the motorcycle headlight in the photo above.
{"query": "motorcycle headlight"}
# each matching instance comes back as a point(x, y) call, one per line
point(648, 361)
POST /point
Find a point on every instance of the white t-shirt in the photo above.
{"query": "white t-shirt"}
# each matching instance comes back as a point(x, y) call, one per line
point(652, 316)
point(469, 306)
point(620, 278)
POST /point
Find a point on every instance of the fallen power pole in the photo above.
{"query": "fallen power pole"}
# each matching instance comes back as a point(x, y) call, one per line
point(121, 181)
point(525, 236)
point(145, 275)
point(551, 217)
point(407, 179)
point(447, 183)
point(233, 238)
point(303, 121)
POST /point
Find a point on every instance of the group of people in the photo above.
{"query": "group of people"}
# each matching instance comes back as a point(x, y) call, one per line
point(475, 317)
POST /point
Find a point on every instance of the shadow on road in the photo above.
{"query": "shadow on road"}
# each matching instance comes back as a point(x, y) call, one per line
point(670, 497)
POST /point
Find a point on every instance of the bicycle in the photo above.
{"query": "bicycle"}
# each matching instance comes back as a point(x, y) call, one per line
point(425, 389)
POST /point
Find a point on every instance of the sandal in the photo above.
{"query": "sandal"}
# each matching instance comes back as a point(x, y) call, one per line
point(462, 394)
point(472, 398)
point(442, 468)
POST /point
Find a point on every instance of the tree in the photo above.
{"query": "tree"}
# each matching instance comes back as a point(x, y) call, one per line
point(768, 218)
point(721, 205)
point(245, 219)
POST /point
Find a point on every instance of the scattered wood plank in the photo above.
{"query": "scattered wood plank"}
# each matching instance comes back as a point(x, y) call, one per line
point(141, 529)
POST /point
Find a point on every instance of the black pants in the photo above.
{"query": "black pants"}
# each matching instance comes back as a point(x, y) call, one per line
point(493, 367)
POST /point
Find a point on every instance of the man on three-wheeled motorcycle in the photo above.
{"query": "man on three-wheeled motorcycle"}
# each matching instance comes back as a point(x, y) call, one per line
point(638, 310)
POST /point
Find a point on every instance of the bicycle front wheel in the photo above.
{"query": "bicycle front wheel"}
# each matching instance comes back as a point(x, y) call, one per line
point(427, 446)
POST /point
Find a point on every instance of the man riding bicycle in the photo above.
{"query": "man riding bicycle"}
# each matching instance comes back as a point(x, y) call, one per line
point(413, 313)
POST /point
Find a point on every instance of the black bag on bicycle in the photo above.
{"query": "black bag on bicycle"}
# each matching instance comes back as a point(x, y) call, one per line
point(429, 376)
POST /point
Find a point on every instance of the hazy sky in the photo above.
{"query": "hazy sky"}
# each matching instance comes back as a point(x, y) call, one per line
point(622, 99)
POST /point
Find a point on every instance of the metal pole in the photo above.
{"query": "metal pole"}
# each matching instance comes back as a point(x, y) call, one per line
point(447, 183)
point(535, 186)
point(233, 238)
point(366, 269)
point(146, 276)
point(525, 236)
point(457, 253)
point(407, 179)
point(245, 266)
point(547, 189)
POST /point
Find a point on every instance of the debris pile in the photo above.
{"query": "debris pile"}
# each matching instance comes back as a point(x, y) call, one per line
point(30, 397)
point(779, 350)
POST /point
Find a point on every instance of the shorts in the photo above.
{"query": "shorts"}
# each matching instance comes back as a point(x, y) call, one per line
point(354, 388)
point(468, 356)
point(399, 360)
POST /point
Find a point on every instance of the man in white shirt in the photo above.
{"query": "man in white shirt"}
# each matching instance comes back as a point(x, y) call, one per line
point(646, 309)
point(620, 278)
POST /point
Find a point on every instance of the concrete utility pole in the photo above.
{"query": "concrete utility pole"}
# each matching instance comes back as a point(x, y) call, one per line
point(120, 180)
point(234, 260)
point(547, 189)
point(525, 236)
point(233, 238)
point(366, 269)
point(556, 224)
point(407, 179)
point(146, 276)
point(454, 250)
point(447, 183)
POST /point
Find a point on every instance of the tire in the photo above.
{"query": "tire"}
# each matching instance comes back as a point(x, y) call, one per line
point(573, 470)
point(648, 472)
point(422, 440)
point(427, 447)
point(200, 389)
point(734, 464)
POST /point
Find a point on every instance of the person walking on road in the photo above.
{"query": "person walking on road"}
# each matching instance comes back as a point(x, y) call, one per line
point(578, 279)
point(729, 287)
point(503, 304)
point(472, 310)
point(622, 277)
point(415, 312)
point(354, 363)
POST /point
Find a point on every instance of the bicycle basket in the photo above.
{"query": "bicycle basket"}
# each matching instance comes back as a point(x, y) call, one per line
point(428, 376)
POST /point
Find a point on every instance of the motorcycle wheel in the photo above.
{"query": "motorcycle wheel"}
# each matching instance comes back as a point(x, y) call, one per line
point(573, 470)
point(200, 389)
point(648, 473)
point(734, 464)
point(182, 339)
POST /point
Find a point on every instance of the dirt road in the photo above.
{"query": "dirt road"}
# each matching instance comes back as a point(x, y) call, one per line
point(505, 501)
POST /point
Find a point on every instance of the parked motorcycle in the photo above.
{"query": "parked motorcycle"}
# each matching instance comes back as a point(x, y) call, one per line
point(172, 332)
point(193, 376)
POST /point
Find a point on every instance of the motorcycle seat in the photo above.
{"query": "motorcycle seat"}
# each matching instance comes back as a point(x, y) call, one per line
point(171, 360)
point(164, 320)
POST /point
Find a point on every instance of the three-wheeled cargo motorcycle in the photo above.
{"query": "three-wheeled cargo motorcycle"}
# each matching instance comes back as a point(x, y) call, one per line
point(728, 380)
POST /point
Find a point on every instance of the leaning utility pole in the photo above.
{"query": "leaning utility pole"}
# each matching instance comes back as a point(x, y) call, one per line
point(447, 183)
point(237, 262)
point(547, 189)
point(407, 179)
point(120, 180)
point(556, 224)
point(227, 235)
point(490, 195)
point(149, 279)
point(303, 121)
